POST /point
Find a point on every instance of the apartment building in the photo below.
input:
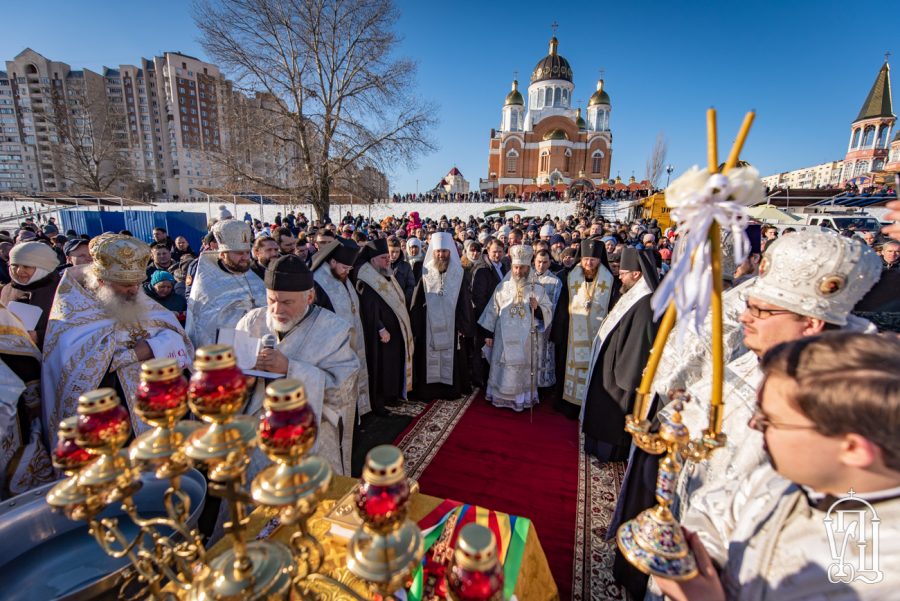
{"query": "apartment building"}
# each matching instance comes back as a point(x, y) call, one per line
point(824, 175)
point(170, 130)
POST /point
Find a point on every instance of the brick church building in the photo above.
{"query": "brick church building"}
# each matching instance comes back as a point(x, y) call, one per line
point(546, 143)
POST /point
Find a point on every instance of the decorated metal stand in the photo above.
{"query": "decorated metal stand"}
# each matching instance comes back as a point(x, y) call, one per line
point(653, 541)
point(168, 556)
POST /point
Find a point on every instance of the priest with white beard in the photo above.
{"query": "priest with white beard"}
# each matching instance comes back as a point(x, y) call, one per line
point(224, 288)
point(618, 356)
point(440, 315)
point(513, 319)
point(102, 327)
point(331, 267)
point(312, 345)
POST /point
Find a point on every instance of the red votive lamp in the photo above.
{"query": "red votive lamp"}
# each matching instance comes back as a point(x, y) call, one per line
point(288, 428)
point(103, 423)
point(68, 456)
point(476, 573)
point(383, 494)
point(161, 397)
point(218, 387)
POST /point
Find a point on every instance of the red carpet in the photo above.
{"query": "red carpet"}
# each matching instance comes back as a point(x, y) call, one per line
point(497, 459)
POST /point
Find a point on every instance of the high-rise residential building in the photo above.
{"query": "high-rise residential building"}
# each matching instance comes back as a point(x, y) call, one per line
point(825, 175)
point(165, 119)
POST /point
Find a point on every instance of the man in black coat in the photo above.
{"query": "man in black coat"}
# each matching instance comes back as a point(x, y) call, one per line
point(486, 275)
point(402, 270)
point(386, 328)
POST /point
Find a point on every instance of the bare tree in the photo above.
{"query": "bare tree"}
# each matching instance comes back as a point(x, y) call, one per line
point(91, 133)
point(656, 162)
point(339, 99)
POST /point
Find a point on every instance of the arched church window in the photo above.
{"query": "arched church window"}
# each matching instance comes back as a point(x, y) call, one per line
point(512, 161)
point(596, 160)
point(878, 165)
point(565, 97)
point(855, 142)
point(548, 96)
point(567, 164)
point(883, 137)
point(869, 136)
point(861, 167)
point(545, 161)
point(557, 96)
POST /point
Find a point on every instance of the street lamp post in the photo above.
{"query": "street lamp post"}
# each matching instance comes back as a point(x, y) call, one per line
point(669, 170)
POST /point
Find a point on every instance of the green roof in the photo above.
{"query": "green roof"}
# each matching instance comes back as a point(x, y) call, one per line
point(878, 102)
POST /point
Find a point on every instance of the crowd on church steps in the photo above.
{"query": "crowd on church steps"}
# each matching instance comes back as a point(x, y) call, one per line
point(371, 316)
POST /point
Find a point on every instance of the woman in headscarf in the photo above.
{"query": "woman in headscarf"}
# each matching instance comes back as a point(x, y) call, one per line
point(32, 269)
point(161, 288)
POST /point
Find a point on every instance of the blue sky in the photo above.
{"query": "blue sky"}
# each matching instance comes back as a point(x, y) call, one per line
point(805, 67)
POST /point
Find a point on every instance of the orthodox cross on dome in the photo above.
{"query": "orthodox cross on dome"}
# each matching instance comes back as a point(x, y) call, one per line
point(554, 26)
point(887, 56)
point(515, 75)
point(601, 71)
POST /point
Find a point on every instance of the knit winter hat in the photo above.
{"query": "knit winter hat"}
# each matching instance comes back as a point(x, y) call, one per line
point(34, 254)
point(161, 275)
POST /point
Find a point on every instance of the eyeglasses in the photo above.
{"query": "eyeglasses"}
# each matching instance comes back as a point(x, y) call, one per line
point(761, 422)
point(760, 313)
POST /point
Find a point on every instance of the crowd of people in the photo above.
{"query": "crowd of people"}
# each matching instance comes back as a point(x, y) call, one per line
point(371, 315)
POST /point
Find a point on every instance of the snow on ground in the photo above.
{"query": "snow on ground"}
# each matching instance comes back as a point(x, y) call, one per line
point(376, 211)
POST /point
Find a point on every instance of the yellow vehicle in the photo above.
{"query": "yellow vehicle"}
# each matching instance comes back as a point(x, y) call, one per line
point(654, 207)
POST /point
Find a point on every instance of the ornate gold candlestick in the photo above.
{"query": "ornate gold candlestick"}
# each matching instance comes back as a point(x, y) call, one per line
point(654, 542)
point(388, 546)
point(254, 570)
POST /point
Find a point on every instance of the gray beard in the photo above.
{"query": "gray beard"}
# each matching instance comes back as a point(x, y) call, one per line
point(123, 311)
point(281, 328)
point(441, 266)
point(385, 271)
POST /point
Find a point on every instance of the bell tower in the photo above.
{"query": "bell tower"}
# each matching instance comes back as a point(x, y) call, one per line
point(870, 132)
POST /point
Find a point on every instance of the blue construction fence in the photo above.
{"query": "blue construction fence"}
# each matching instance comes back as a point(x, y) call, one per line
point(139, 222)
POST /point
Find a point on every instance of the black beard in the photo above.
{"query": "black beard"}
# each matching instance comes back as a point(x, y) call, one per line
point(233, 267)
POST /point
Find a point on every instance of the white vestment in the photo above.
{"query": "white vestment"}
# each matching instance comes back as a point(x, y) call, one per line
point(588, 306)
point(321, 358)
point(441, 296)
point(24, 464)
point(84, 343)
point(775, 546)
point(345, 301)
point(513, 379)
point(547, 357)
point(219, 299)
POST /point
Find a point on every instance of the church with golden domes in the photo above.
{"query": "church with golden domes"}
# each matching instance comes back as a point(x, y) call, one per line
point(547, 143)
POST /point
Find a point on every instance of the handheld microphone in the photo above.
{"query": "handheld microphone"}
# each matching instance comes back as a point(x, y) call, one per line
point(269, 341)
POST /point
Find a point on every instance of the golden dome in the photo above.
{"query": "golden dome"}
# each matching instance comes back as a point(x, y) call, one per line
point(514, 97)
point(600, 96)
point(552, 66)
point(578, 119)
point(556, 134)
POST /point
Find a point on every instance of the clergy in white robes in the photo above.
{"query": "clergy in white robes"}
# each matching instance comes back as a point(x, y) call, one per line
point(24, 459)
point(312, 345)
point(441, 312)
point(331, 269)
point(827, 524)
point(102, 327)
point(513, 320)
point(552, 286)
point(224, 288)
point(585, 301)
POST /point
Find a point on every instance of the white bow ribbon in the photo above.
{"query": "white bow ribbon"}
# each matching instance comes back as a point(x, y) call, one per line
point(698, 199)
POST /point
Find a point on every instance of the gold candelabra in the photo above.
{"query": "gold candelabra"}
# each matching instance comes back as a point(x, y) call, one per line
point(168, 556)
point(654, 542)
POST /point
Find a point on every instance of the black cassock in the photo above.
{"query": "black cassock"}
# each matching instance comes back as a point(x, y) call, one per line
point(386, 361)
point(465, 327)
point(614, 380)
